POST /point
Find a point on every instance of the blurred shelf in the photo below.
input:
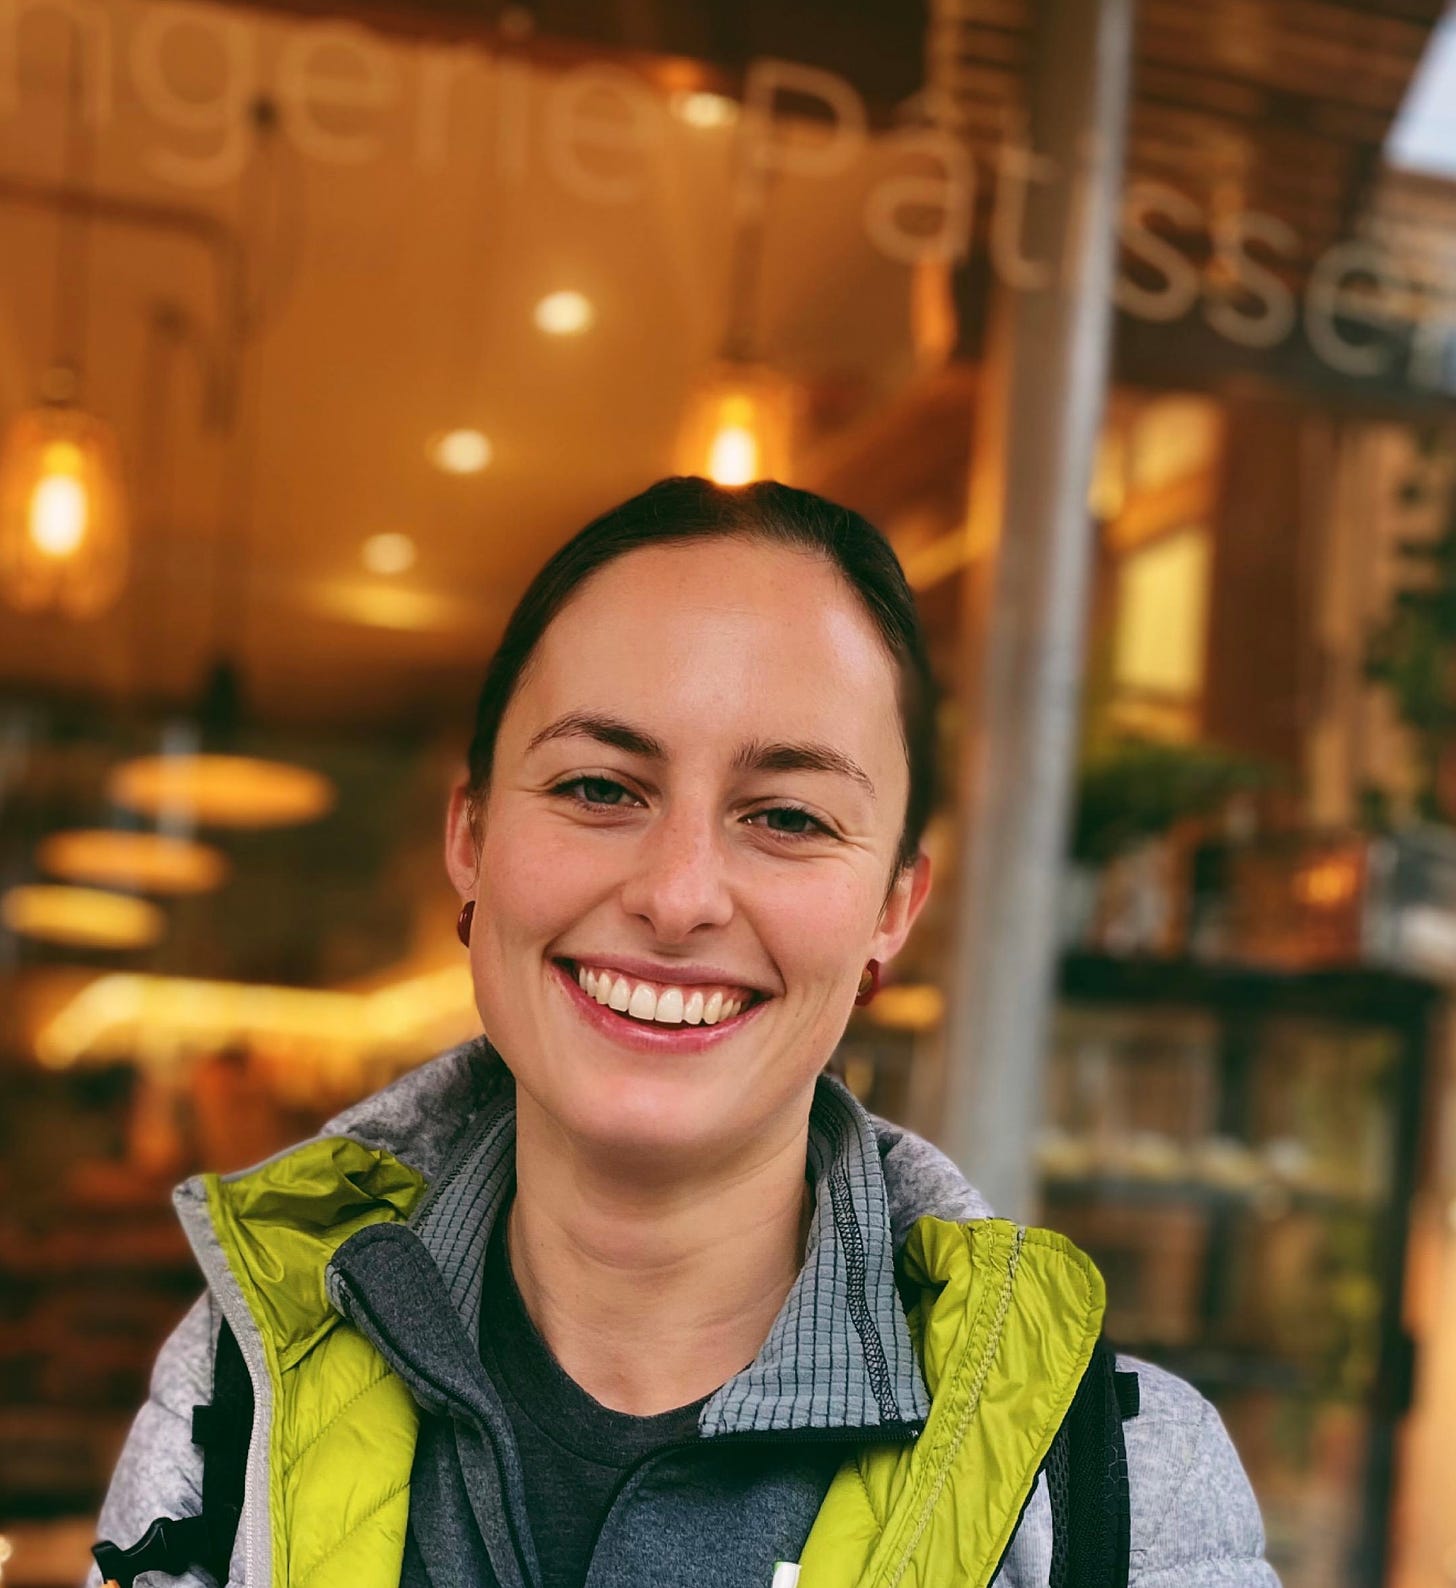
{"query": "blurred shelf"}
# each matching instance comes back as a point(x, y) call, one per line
point(1267, 1199)
point(1236, 1146)
point(1342, 993)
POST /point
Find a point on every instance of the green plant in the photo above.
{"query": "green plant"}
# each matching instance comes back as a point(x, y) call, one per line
point(1412, 653)
point(1132, 789)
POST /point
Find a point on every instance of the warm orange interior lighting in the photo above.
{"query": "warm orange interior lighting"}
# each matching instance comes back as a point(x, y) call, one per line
point(734, 450)
point(461, 451)
point(738, 426)
point(564, 313)
point(221, 790)
point(146, 862)
point(80, 917)
point(908, 1008)
point(116, 1013)
point(1329, 882)
point(703, 110)
point(62, 513)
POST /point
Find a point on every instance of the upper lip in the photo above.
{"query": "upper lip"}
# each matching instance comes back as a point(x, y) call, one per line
point(682, 973)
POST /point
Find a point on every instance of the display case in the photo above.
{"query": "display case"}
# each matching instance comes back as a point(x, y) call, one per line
point(1237, 1150)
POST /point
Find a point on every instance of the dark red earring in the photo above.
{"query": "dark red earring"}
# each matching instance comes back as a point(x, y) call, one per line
point(869, 983)
point(463, 920)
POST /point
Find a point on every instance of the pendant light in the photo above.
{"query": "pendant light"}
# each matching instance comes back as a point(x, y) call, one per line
point(63, 542)
point(738, 425)
point(63, 511)
point(202, 777)
point(93, 918)
point(140, 862)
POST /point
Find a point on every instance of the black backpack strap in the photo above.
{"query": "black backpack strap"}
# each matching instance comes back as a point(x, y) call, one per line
point(1086, 1472)
point(223, 1428)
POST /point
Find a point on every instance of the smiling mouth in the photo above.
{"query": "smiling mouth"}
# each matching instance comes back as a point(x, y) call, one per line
point(655, 1003)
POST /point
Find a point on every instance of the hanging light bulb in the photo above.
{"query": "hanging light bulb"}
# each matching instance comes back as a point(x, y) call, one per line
point(142, 862)
point(734, 450)
point(206, 775)
point(80, 917)
point(202, 778)
point(739, 422)
point(62, 508)
point(739, 425)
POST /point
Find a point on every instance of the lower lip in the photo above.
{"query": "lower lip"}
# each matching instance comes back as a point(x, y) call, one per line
point(654, 1038)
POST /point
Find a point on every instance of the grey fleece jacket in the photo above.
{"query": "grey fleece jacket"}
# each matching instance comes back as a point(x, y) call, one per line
point(849, 1374)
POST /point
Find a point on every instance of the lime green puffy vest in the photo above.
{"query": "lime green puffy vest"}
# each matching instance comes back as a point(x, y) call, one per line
point(1004, 1323)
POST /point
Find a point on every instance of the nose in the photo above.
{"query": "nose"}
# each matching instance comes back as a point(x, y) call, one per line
point(679, 881)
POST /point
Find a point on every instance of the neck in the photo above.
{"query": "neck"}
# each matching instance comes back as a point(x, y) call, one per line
point(651, 1295)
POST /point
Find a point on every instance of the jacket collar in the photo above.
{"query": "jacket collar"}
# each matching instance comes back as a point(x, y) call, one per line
point(839, 1357)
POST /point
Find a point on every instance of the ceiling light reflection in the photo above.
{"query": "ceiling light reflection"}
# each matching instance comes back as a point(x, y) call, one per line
point(221, 790)
point(908, 1008)
point(110, 1015)
point(705, 111)
point(564, 313)
point(80, 917)
point(146, 862)
point(389, 606)
point(388, 554)
point(461, 451)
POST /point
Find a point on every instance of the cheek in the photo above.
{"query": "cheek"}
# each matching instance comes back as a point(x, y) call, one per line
point(536, 877)
point(815, 931)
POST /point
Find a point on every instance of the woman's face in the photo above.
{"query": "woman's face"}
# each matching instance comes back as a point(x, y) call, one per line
point(697, 797)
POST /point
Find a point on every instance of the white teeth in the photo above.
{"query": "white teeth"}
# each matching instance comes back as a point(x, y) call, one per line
point(642, 1001)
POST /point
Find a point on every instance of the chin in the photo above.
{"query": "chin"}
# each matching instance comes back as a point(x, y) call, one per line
point(650, 1119)
point(655, 1127)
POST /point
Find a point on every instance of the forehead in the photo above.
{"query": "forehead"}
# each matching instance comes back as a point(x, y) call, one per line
point(728, 631)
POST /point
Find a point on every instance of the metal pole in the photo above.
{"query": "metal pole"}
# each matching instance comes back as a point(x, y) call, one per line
point(1025, 721)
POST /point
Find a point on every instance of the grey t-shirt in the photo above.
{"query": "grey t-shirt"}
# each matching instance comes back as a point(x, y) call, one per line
point(574, 1451)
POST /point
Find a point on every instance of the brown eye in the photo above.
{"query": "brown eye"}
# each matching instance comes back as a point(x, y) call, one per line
point(788, 821)
point(595, 791)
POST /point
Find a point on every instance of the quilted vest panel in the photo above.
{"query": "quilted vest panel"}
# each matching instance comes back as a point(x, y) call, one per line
point(1005, 1326)
point(342, 1433)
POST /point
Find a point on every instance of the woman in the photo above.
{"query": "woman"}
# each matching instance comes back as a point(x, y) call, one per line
point(633, 1293)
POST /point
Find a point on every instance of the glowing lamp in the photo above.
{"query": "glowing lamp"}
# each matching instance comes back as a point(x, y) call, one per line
point(739, 426)
point(389, 553)
point(461, 451)
point(62, 513)
point(80, 917)
point(908, 1008)
point(564, 313)
point(142, 862)
point(221, 790)
point(703, 110)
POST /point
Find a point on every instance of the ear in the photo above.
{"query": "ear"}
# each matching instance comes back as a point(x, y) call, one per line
point(462, 851)
point(907, 898)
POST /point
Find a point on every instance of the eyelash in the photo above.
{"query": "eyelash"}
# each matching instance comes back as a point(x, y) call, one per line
point(564, 790)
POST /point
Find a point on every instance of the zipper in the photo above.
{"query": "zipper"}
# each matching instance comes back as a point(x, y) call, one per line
point(197, 1224)
point(462, 1157)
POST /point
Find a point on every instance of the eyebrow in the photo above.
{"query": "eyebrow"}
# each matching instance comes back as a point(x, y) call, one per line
point(755, 756)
